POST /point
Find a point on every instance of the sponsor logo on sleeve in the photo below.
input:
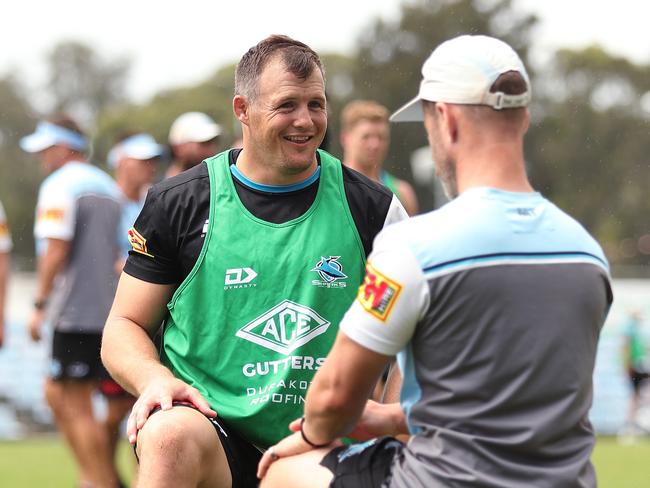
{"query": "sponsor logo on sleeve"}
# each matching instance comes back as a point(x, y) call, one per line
point(138, 243)
point(51, 215)
point(4, 229)
point(378, 293)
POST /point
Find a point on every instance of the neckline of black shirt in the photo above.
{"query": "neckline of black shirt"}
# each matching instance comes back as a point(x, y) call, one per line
point(274, 207)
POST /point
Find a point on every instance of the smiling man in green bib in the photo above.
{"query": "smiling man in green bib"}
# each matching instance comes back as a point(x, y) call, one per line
point(250, 258)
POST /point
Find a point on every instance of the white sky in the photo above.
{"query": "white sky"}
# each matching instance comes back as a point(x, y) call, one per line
point(176, 42)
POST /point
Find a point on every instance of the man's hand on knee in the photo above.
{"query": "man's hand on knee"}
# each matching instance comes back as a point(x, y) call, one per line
point(162, 392)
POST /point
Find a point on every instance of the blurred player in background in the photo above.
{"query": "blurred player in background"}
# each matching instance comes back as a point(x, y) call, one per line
point(134, 158)
point(193, 137)
point(5, 250)
point(636, 358)
point(77, 219)
point(365, 137)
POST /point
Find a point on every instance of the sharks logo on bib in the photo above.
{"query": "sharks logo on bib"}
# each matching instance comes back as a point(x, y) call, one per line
point(330, 271)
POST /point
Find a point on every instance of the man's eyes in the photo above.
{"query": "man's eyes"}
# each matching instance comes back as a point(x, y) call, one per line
point(291, 105)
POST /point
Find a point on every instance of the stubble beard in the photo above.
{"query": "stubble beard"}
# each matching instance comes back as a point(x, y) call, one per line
point(448, 179)
point(446, 172)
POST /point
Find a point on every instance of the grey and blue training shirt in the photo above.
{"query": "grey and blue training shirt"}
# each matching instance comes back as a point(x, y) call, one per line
point(493, 305)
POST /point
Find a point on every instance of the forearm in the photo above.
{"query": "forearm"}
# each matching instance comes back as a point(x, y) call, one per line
point(340, 390)
point(49, 265)
point(394, 419)
point(130, 355)
point(327, 417)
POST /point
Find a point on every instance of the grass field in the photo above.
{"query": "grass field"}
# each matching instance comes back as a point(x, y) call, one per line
point(44, 463)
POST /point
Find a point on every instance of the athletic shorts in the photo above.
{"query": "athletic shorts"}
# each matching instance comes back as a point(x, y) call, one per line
point(637, 378)
point(366, 465)
point(76, 356)
point(243, 457)
point(111, 388)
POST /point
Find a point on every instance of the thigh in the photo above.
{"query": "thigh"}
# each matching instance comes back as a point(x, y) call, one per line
point(242, 457)
point(302, 471)
point(70, 399)
point(185, 437)
point(118, 407)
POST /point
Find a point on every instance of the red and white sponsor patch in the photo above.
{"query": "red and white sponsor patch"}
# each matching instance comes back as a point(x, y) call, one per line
point(51, 215)
point(138, 243)
point(378, 293)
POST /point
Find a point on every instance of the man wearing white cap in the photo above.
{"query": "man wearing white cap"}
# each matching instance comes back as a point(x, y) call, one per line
point(5, 250)
point(193, 137)
point(134, 160)
point(493, 305)
point(77, 218)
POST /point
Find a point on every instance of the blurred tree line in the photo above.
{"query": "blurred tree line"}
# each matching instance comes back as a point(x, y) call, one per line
point(587, 148)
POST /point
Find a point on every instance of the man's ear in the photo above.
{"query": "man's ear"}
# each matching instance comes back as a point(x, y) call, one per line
point(448, 121)
point(240, 108)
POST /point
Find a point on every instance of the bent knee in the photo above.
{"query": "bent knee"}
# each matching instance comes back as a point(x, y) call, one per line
point(163, 431)
point(177, 433)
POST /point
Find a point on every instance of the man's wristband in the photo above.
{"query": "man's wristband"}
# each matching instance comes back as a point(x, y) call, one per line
point(40, 303)
point(304, 437)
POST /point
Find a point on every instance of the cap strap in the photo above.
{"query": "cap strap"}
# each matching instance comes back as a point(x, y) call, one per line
point(500, 100)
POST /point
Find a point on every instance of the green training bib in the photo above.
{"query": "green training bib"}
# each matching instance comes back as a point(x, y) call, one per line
point(254, 320)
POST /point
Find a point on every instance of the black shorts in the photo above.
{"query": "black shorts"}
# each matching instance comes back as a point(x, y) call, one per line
point(243, 457)
point(366, 465)
point(637, 378)
point(76, 356)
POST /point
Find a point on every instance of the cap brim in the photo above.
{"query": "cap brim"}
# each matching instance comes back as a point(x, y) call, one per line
point(411, 112)
point(207, 133)
point(36, 142)
point(146, 151)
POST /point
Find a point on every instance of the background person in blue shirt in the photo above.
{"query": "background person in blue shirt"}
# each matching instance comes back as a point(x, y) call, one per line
point(77, 219)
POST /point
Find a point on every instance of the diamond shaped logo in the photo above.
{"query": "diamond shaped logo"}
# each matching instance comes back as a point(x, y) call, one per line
point(285, 327)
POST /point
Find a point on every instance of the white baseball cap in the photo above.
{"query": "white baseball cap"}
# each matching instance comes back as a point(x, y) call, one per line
point(193, 127)
point(138, 146)
point(48, 134)
point(462, 71)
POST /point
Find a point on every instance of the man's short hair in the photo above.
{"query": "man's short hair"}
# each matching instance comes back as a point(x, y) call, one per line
point(65, 121)
point(510, 83)
point(359, 110)
point(298, 58)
